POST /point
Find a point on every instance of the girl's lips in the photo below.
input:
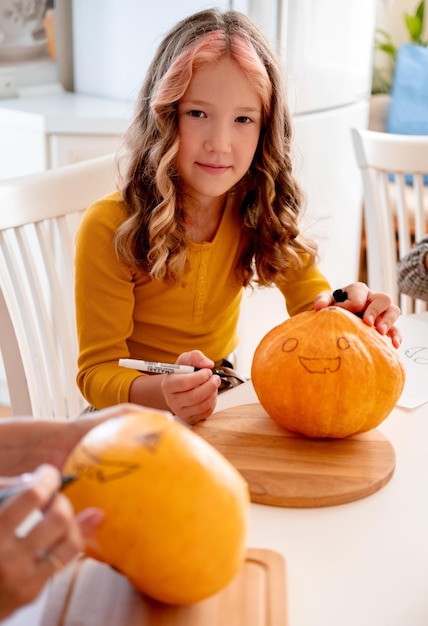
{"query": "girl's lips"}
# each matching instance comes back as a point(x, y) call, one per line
point(213, 168)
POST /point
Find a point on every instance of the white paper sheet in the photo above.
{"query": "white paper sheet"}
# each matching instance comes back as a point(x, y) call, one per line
point(414, 351)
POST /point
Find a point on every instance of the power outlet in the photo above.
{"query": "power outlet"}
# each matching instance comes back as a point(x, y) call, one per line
point(8, 82)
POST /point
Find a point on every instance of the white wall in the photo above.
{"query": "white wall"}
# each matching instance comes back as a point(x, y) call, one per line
point(389, 16)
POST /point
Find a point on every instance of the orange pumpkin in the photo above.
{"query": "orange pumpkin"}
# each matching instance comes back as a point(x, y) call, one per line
point(176, 511)
point(327, 374)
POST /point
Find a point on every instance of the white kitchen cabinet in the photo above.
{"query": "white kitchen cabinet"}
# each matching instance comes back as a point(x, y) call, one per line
point(66, 149)
point(48, 128)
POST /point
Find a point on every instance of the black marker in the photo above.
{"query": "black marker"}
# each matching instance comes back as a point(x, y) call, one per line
point(340, 296)
point(154, 367)
point(36, 515)
point(13, 490)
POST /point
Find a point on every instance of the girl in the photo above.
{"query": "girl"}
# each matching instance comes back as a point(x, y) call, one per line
point(207, 205)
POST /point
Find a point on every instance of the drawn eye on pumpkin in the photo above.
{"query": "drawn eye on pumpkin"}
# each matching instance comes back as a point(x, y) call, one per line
point(290, 345)
point(343, 343)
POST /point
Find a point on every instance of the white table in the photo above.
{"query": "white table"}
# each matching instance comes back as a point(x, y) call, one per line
point(363, 563)
point(358, 564)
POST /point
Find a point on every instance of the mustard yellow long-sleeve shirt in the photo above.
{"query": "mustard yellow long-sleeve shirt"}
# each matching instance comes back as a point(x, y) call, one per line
point(122, 313)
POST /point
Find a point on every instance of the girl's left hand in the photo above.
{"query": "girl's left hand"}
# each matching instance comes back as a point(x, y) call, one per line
point(376, 308)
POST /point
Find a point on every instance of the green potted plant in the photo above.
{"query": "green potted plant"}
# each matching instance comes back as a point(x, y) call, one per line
point(414, 23)
point(406, 90)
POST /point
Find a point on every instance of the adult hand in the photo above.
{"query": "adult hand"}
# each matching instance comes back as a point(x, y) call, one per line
point(26, 443)
point(376, 308)
point(30, 556)
point(192, 397)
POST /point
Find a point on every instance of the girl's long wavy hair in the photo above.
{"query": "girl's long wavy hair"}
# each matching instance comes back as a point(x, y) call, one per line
point(153, 236)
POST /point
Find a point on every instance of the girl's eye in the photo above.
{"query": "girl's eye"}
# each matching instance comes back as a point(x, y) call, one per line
point(243, 119)
point(196, 113)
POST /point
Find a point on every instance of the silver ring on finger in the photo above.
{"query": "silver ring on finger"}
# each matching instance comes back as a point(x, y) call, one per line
point(44, 556)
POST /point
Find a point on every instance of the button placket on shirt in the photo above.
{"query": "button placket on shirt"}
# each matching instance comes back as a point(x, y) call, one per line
point(201, 284)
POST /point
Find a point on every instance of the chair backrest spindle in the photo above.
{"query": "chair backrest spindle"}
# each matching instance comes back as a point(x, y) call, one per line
point(39, 216)
point(394, 170)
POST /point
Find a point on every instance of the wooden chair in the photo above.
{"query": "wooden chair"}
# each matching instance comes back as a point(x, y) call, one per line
point(395, 204)
point(39, 215)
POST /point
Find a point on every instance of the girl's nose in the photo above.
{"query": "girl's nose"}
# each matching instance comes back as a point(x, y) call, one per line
point(219, 139)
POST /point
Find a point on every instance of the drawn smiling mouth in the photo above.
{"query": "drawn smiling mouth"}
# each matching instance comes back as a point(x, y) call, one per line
point(102, 470)
point(320, 366)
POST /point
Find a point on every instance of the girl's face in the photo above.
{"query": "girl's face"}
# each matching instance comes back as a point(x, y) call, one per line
point(219, 123)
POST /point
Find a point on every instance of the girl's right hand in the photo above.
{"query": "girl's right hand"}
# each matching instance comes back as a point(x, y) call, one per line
point(192, 397)
point(28, 558)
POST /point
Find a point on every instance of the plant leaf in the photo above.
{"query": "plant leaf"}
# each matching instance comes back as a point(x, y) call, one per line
point(383, 42)
point(388, 48)
point(420, 11)
point(414, 26)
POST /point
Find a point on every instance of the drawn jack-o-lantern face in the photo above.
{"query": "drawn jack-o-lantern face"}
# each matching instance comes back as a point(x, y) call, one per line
point(318, 364)
point(327, 374)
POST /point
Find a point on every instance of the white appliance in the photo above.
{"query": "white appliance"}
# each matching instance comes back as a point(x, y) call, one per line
point(326, 48)
point(114, 41)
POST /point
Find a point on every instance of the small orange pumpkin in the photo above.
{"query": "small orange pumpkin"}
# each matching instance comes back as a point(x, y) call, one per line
point(327, 374)
point(176, 511)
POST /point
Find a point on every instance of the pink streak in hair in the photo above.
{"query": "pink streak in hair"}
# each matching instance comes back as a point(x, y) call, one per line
point(208, 49)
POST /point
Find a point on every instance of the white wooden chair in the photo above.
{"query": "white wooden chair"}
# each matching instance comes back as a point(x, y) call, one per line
point(395, 208)
point(39, 215)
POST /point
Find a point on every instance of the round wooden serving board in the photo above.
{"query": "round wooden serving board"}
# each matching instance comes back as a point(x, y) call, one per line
point(286, 469)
